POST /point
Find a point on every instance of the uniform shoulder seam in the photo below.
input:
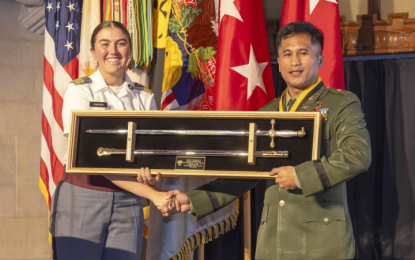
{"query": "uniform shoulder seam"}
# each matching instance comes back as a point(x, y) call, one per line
point(339, 91)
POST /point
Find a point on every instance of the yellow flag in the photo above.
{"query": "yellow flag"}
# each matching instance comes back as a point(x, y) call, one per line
point(91, 10)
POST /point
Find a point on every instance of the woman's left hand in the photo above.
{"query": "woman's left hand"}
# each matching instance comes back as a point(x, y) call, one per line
point(144, 176)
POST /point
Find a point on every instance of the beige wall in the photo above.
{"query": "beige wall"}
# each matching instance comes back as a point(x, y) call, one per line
point(23, 211)
point(397, 6)
point(351, 8)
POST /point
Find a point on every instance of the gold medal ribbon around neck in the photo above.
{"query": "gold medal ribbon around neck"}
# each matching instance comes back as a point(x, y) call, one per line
point(300, 98)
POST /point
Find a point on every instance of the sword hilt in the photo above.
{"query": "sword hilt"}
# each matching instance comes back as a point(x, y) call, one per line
point(301, 133)
point(272, 133)
point(283, 133)
point(109, 151)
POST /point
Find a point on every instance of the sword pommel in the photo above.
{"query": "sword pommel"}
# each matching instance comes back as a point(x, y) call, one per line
point(103, 151)
point(301, 133)
point(108, 151)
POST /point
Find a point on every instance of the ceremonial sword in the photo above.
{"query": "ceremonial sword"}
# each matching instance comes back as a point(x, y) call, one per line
point(251, 154)
point(272, 132)
point(269, 154)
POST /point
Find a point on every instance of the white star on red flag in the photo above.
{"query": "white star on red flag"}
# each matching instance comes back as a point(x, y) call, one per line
point(313, 4)
point(253, 72)
point(227, 7)
point(243, 76)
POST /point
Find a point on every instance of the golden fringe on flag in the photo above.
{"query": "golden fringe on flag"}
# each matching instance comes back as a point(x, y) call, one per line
point(204, 236)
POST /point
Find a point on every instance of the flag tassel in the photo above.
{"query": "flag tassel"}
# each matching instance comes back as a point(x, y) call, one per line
point(208, 234)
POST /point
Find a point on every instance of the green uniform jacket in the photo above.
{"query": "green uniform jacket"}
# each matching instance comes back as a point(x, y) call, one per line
point(312, 222)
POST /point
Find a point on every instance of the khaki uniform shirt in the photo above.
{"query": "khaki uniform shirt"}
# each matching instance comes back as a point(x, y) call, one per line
point(312, 222)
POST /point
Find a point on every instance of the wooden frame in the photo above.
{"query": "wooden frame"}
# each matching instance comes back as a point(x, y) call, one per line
point(313, 119)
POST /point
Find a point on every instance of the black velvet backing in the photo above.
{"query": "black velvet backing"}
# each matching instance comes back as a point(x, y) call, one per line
point(300, 149)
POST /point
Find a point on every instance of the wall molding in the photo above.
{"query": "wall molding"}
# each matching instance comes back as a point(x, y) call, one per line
point(32, 15)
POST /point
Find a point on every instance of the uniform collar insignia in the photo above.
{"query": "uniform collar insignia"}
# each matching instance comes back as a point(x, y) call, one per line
point(319, 105)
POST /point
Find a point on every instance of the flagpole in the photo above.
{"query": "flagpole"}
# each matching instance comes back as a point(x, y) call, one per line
point(201, 253)
point(247, 226)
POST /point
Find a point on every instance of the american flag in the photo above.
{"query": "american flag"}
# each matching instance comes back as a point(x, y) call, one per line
point(62, 45)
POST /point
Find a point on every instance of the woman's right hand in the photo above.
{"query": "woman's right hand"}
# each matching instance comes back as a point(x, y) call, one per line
point(144, 176)
point(167, 206)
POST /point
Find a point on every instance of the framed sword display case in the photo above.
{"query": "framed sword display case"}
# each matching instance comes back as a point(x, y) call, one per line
point(231, 144)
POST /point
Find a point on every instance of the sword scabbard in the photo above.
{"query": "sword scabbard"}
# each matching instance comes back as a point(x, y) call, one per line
point(275, 154)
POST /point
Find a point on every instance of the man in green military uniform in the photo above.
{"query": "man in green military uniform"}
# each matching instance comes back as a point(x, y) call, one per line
point(305, 214)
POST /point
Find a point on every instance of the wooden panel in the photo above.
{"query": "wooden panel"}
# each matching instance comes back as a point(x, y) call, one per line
point(373, 7)
point(368, 35)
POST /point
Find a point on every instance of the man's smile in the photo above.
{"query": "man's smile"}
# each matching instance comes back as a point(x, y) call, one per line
point(296, 73)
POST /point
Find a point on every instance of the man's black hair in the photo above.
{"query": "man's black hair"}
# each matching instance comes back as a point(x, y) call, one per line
point(300, 28)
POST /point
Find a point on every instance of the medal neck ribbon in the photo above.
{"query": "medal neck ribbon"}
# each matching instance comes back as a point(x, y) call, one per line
point(303, 96)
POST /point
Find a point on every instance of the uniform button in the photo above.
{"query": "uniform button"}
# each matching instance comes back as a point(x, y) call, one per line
point(282, 203)
point(326, 220)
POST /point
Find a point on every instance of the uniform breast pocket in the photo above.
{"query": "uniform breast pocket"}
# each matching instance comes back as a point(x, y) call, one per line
point(325, 214)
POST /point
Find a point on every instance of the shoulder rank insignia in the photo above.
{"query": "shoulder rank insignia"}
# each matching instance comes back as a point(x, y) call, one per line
point(82, 80)
point(141, 87)
point(324, 113)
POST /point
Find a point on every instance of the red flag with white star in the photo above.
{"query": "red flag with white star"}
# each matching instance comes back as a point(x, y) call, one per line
point(323, 14)
point(244, 78)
